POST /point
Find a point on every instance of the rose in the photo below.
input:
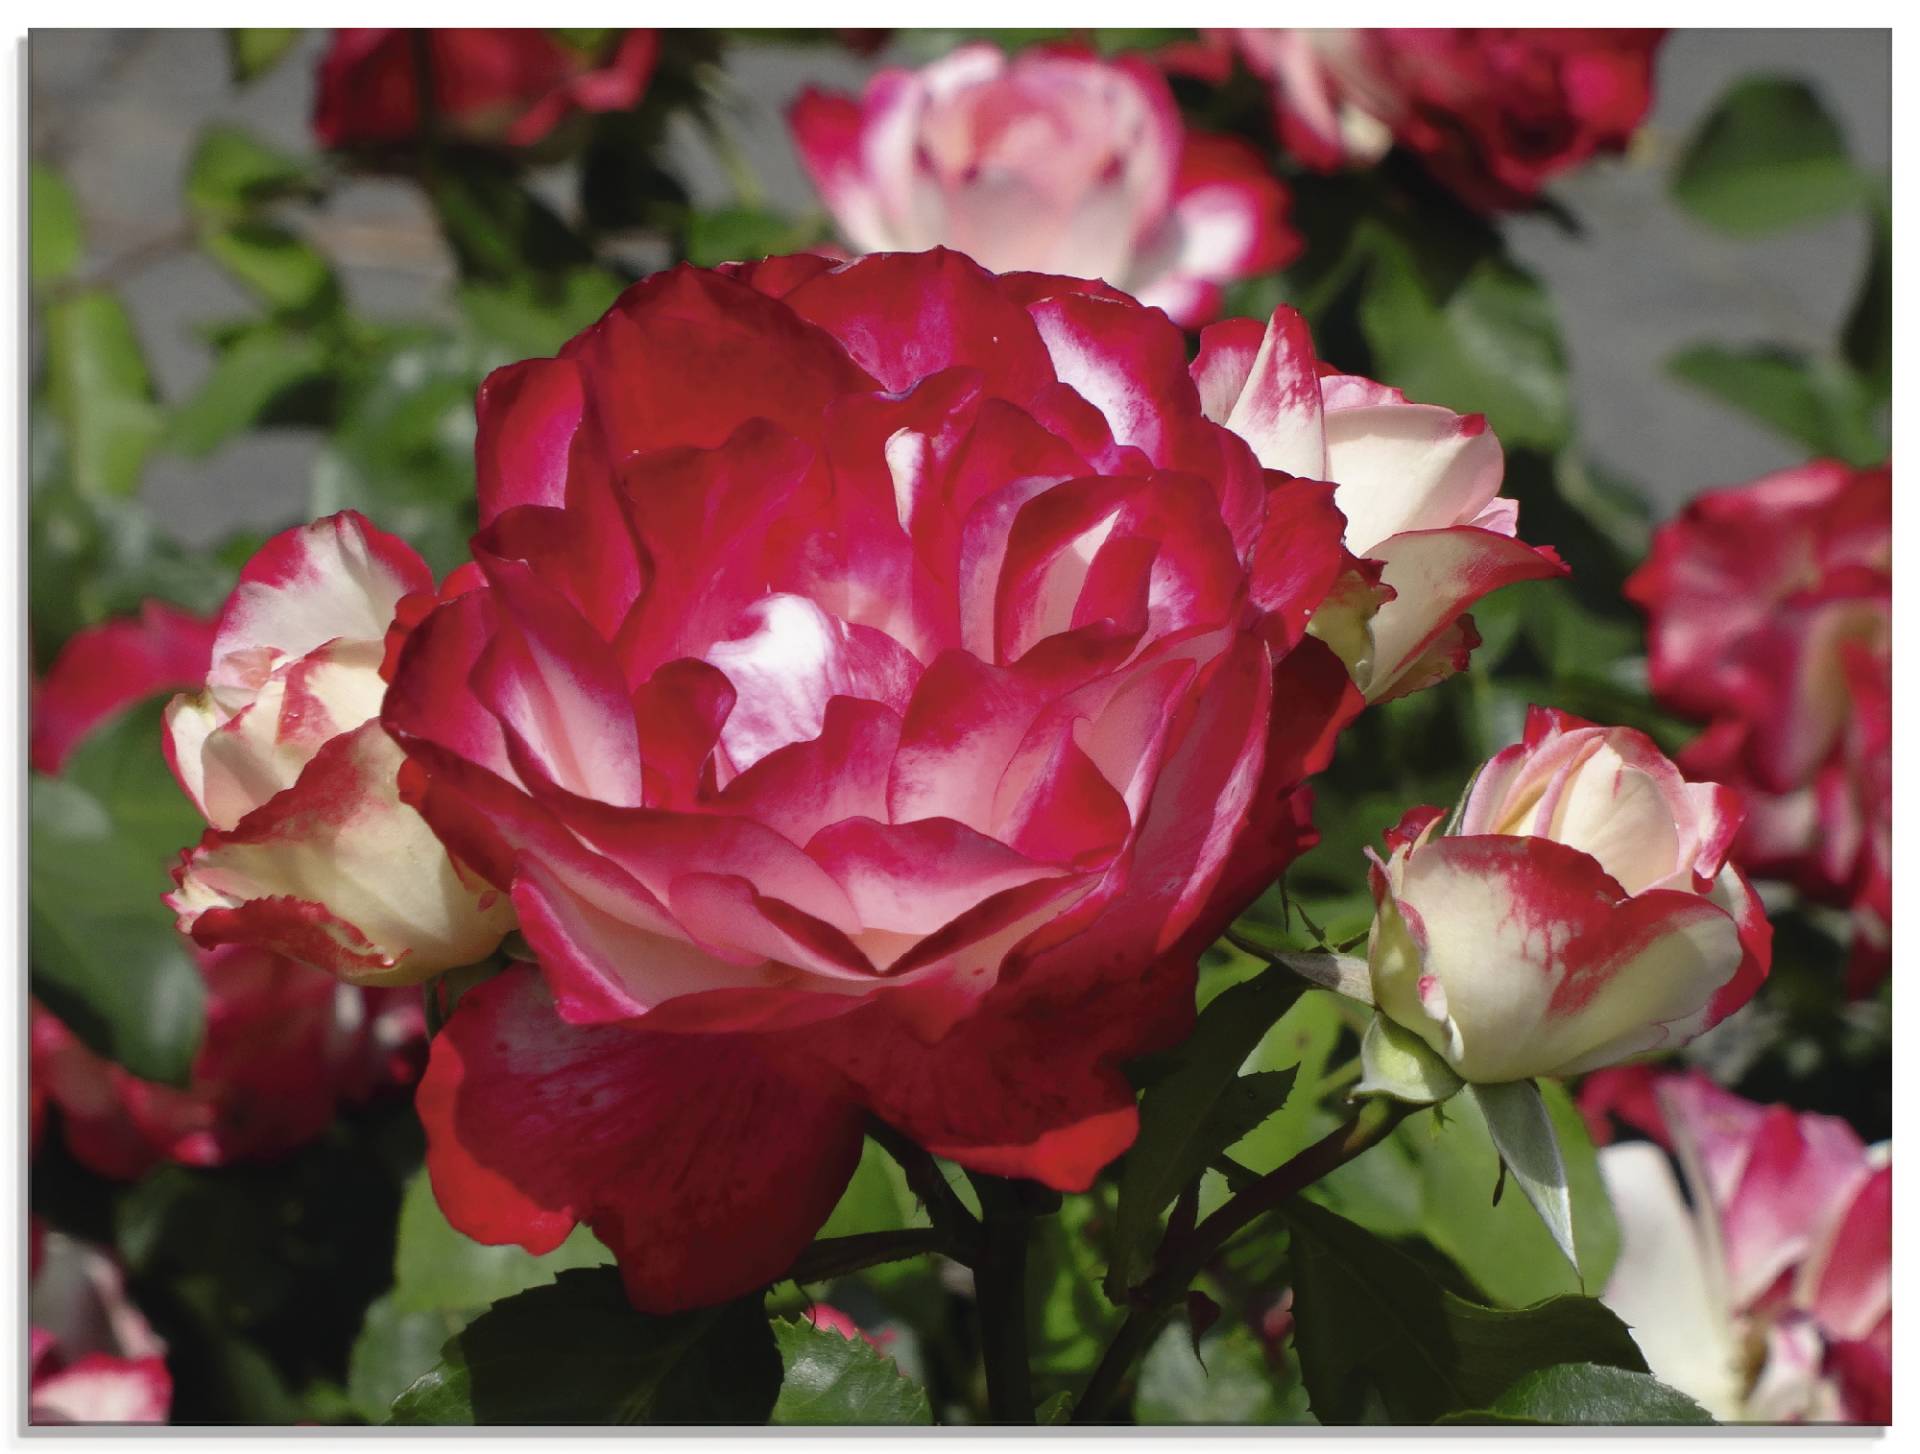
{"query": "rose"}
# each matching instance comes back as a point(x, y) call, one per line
point(1576, 910)
point(1770, 615)
point(284, 1048)
point(311, 852)
point(1771, 1299)
point(1052, 160)
point(511, 87)
point(884, 682)
point(107, 668)
point(1494, 114)
point(93, 1358)
point(1419, 485)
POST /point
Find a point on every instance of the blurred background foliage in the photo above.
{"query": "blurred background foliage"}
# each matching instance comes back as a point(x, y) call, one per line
point(319, 1285)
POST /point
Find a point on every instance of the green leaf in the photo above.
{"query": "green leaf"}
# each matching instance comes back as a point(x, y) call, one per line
point(1767, 156)
point(1376, 1333)
point(498, 229)
point(1588, 1394)
point(1398, 1063)
point(285, 272)
point(231, 171)
point(54, 237)
point(533, 316)
point(1523, 1134)
point(1192, 1114)
point(436, 1268)
point(1812, 401)
point(394, 1347)
point(1867, 341)
point(830, 1379)
point(877, 1199)
point(1228, 1382)
point(105, 955)
point(1489, 344)
point(252, 53)
point(1069, 1320)
point(577, 1352)
point(259, 368)
point(98, 386)
point(741, 234)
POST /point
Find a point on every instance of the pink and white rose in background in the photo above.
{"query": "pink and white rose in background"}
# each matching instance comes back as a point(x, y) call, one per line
point(92, 1358)
point(1419, 486)
point(1577, 908)
point(310, 851)
point(1766, 1294)
point(1054, 161)
point(1495, 114)
point(1770, 616)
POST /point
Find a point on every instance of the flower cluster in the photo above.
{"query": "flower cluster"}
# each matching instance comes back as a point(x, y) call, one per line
point(1770, 615)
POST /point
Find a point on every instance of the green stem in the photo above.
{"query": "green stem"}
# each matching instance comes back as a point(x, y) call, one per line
point(1183, 1255)
point(1000, 1290)
point(436, 1015)
point(927, 1182)
point(833, 1257)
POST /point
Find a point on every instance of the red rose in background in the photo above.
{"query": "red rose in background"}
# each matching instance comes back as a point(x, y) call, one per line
point(510, 87)
point(92, 1357)
point(885, 681)
point(107, 668)
point(1770, 615)
point(1494, 114)
point(1053, 161)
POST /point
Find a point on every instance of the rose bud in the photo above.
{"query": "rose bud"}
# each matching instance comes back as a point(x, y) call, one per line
point(311, 852)
point(1419, 485)
point(92, 1356)
point(1494, 114)
point(492, 87)
point(884, 682)
point(1578, 909)
point(1770, 615)
point(1054, 161)
point(1767, 1295)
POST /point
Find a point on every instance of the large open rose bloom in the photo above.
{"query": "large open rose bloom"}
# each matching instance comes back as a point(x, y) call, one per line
point(1578, 908)
point(506, 86)
point(1770, 615)
point(311, 853)
point(92, 1358)
point(1494, 113)
point(1052, 161)
point(1419, 486)
point(1769, 1297)
point(884, 682)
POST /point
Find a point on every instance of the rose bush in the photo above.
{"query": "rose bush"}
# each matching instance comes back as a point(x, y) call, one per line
point(1419, 486)
point(92, 1357)
point(311, 852)
point(885, 681)
point(508, 87)
point(1494, 114)
point(1770, 615)
point(1770, 1296)
point(1577, 908)
point(1050, 161)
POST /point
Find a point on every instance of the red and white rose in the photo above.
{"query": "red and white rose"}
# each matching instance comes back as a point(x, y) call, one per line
point(311, 853)
point(1053, 161)
point(1578, 908)
point(1419, 486)
point(885, 680)
point(1767, 1295)
point(92, 1358)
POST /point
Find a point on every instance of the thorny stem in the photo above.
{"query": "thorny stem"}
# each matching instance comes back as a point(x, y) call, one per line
point(1000, 1289)
point(946, 1209)
point(1182, 1256)
point(833, 1257)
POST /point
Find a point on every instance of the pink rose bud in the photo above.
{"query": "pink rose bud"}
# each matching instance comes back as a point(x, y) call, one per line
point(311, 852)
point(1050, 161)
point(1419, 485)
point(1576, 910)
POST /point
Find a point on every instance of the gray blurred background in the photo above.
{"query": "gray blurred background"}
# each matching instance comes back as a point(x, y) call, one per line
point(117, 112)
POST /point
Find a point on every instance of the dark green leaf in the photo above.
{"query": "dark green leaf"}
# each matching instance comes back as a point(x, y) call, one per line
point(1376, 1332)
point(1868, 340)
point(436, 1268)
point(1188, 1116)
point(248, 377)
point(831, 1379)
point(99, 388)
point(1489, 344)
point(395, 1347)
point(577, 1352)
point(1811, 401)
point(1767, 156)
point(1588, 1394)
point(498, 229)
point(54, 239)
point(1229, 1382)
point(231, 171)
point(285, 272)
point(105, 955)
point(252, 53)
